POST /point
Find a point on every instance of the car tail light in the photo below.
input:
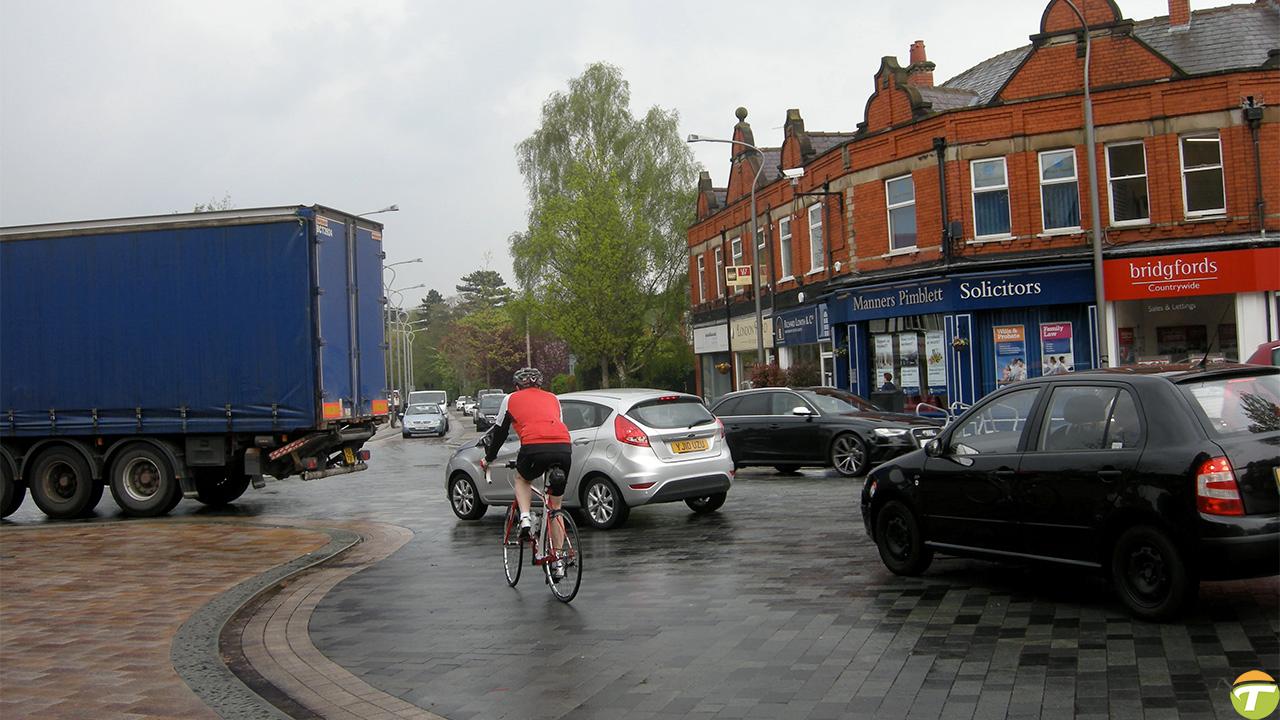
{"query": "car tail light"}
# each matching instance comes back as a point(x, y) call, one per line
point(642, 486)
point(1216, 490)
point(628, 432)
point(363, 455)
point(720, 423)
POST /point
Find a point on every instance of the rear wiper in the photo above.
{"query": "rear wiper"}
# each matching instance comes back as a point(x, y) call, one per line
point(696, 423)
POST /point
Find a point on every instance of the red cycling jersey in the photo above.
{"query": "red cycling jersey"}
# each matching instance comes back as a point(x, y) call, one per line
point(535, 414)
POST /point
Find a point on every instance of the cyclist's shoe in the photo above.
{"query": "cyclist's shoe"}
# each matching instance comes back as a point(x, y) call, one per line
point(526, 528)
point(557, 570)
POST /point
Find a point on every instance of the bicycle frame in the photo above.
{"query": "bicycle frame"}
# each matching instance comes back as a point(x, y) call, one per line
point(544, 551)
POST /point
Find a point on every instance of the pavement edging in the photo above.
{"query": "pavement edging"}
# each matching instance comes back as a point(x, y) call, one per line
point(194, 650)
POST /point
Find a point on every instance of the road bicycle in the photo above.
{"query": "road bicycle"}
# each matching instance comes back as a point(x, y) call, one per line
point(561, 561)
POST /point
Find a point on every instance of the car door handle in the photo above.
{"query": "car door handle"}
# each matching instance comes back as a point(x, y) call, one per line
point(1108, 475)
point(583, 441)
point(1004, 473)
point(774, 426)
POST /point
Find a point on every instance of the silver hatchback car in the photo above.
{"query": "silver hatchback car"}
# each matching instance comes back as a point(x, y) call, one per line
point(630, 447)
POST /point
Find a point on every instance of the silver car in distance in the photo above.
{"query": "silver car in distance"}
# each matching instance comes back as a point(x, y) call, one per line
point(630, 447)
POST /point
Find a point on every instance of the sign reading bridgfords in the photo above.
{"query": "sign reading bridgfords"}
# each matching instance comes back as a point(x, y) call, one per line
point(967, 292)
point(1206, 273)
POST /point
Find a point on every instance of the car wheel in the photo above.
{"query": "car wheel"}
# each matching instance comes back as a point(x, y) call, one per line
point(849, 455)
point(61, 483)
point(11, 493)
point(899, 540)
point(704, 505)
point(602, 504)
point(787, 469)
point(143, 482)
point(1150, 575)
point(464, 498)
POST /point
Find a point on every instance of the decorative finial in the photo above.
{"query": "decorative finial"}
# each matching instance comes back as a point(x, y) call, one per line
point(741, 113)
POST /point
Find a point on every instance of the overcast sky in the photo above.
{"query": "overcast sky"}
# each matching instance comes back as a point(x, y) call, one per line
point(135, 107)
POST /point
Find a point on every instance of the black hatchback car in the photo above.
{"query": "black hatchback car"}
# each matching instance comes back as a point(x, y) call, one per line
point(816, 427)
point(1159, 477)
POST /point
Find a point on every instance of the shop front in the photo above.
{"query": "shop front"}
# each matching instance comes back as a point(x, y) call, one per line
point(711, 346)
point(1185, 307)
point(942, 341)
point(803, 338)
point(742, 343)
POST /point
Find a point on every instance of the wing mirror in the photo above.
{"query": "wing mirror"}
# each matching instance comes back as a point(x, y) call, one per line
point(802, 411)
point(933, 448)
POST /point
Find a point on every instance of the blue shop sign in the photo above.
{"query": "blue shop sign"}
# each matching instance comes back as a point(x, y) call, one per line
point(975, 291)
point(803, 326)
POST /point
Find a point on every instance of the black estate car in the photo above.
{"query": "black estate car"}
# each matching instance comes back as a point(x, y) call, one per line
point(1159, 477)
point(816, 427)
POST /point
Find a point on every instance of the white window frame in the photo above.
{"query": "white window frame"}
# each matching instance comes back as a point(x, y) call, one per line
point(702, 285)
point(719, 272)
point(1074, 179)
point(761, 252)
point(889, 208)
point(1182, 163)
point(974, 190)
point(735, 254)
point(1111, 196)
point(784, 248)
point(820, 245)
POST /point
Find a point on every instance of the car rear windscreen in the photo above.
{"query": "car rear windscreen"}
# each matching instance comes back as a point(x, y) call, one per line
point(491, 402)
point(672, 412)
point(1234, 405)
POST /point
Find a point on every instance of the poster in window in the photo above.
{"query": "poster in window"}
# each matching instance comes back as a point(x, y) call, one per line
point(909, 356)
point(885, 379)
point(1011, 353)
point(1128, 353)
point(1057, 349)
point(935, 358)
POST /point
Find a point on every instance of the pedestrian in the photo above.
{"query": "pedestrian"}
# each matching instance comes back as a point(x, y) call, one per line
point(887, 385)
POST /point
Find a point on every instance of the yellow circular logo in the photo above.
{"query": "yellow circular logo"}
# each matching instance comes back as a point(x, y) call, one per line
point(1255, 695)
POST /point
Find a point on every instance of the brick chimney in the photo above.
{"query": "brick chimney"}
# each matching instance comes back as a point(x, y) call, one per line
point(920, 71)
point(1179, 14)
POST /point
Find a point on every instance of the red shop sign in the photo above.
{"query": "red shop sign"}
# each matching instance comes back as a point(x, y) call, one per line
point(1204, 273)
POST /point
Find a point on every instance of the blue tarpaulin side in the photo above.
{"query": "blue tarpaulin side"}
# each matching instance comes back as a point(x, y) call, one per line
point(373, 376)
point(147, 325)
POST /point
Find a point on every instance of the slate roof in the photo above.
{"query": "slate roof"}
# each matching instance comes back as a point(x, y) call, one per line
point(1227, 38)
point(824, 141)
point(721, 195)
point(946, 98)
point(772, 165)
point(986, 78)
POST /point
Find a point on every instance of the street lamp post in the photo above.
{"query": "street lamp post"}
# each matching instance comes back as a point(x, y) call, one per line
point(1095, 215)
point(755, 245)
point(386, 324)
point(389, 208)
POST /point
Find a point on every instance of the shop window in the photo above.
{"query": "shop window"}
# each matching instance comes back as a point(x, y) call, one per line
point(719, 273)
point(900, 195)
point(1202, 191)
point(735, 251)
point(1173, 330)
point(702, 278)
point(784, 246)
point(990, 198)
point(815, 238)
point(1127, 182)
point(1059, 193)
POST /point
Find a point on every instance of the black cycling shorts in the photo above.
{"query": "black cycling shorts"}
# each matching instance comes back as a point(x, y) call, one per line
point(534, 460)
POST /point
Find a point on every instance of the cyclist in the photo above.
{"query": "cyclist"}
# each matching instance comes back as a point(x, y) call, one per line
point(544, 444)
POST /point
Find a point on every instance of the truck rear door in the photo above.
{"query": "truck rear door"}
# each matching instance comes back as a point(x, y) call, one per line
point(335, 289)
point(371, 385)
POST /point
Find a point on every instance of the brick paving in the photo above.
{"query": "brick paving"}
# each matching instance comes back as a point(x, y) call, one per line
point(89, 610)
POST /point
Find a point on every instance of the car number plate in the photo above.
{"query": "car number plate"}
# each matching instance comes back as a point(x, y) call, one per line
point(349, 456)
point(688, 446)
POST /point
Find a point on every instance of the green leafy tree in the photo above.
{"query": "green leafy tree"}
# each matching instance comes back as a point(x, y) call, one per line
point(483, 289)
point(610, 195)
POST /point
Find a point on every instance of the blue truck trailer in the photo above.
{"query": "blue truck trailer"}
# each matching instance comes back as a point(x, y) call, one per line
point(187, 356)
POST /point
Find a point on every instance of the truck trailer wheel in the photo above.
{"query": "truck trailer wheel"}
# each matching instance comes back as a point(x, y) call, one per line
point(61, 483)
point(143, 482)
point(11, 493)
point(214, 486)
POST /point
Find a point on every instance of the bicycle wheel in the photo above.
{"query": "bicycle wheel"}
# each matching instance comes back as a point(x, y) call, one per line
point(567, 556)
point(512, 547)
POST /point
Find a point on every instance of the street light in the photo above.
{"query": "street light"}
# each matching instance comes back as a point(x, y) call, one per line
point(389, 208)
point(1095, 215)
point(755, 253)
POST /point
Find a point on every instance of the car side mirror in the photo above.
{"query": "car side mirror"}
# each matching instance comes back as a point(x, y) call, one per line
point(933, 448)
point(802, 411)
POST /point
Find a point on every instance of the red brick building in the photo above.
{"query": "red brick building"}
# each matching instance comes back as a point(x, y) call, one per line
point(944, 246)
